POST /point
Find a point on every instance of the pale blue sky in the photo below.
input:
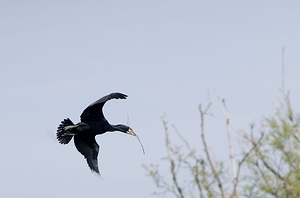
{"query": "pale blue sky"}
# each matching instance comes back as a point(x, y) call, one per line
point(57, 57)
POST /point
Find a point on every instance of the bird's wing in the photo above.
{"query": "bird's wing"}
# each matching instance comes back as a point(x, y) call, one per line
point(89, 148)
point(94, 111)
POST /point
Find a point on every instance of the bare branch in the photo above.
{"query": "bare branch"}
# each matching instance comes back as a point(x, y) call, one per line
point(243, 160)
point(231, 150)
point(269, 167)
point(197, 180)
point(264, 161)
point(266, 180)
point(207, 153)
point(172, 161)
point(283, 68)
point(282, 89)
point(182, 138)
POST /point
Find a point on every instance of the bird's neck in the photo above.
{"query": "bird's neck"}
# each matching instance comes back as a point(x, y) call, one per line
point(112, 128)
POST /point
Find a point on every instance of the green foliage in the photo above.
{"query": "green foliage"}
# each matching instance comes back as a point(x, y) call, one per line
point(275, 164)
point(270, 164)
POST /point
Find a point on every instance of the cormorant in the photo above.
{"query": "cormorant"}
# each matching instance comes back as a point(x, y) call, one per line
point(92, 123)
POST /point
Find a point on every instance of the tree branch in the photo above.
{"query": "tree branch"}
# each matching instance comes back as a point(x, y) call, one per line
point(172, 161)
point(231, 150)
point(207, 153)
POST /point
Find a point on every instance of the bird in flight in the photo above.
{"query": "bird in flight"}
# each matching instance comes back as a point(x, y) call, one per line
point(92, 123)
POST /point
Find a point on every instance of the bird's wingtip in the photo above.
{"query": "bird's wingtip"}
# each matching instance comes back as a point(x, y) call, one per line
point(119, 95)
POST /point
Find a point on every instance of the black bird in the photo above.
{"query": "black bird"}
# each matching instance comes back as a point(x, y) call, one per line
point(92, 123)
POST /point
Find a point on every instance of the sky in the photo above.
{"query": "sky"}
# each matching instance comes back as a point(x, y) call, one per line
point(57, 57)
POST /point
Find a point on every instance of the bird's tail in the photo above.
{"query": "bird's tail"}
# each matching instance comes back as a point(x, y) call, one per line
point(64, 131)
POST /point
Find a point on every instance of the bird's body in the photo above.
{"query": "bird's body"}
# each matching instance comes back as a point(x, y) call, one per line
point(92, 123)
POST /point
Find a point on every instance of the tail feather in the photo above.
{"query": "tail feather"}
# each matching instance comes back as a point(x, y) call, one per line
point(63, 136)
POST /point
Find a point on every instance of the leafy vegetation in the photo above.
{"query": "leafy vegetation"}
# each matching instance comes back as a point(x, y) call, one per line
point(267, 166)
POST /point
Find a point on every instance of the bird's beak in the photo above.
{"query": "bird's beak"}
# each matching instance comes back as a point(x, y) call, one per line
point(130, 132)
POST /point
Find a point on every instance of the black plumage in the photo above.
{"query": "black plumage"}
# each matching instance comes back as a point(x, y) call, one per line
point(92, 123)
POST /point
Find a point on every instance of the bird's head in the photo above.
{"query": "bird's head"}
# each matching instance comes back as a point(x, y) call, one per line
point(124, 129)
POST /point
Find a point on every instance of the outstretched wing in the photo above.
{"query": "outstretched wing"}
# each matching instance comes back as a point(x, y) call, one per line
point(89, 148)
point(94, 111)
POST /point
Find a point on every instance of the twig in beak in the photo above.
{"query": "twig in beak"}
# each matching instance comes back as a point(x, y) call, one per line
point(140, 143)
